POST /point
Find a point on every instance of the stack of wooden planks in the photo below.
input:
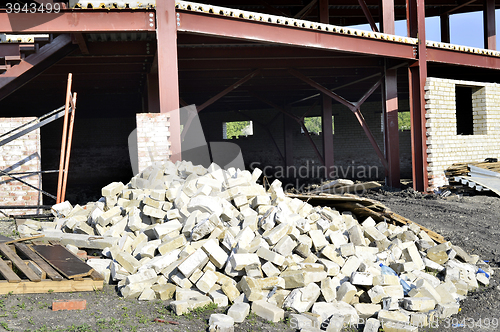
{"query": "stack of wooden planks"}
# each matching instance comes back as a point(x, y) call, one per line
point(364, 207)
point(43, 269)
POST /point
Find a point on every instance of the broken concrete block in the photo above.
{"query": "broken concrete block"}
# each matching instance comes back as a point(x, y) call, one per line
point(216, 254)
point(219, 298)
point(239, 311)
point(398, 327)
point(221, 323)
point(196, 260)
point(112, 189)
point(438, 253)
point(164, 292)
point(270, 256)
point(270, 270)
point(268, 311)
point(274, 235)
point(172, 244)
point(207, 281)
point(445, 310)
point(346, 292)
point(239, 261)
point(231, 291)
point(362, 278)
point(147, 295)
point(412, 255)
point(350, 266)
point(367, 310)
point(422, 304)
point(293, 278)
point(251, 288)
point(356, 236)
point(376, 294)
point(328, 290)
point(318, 239)
point(371, 325)
point(385, 280)
point(393, 316)
point(128, 262)
point(302, 299)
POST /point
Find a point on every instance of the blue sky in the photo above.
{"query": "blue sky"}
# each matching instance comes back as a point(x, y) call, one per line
point(465, 29)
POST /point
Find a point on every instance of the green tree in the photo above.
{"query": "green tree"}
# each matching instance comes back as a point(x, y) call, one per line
point(404, 121)
point(313, 124)
point(235, 129)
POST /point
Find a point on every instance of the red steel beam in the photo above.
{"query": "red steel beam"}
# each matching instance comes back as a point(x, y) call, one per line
point(388, 17)
point(490, 35)
point(272, 33)
point(227, 90)
point(368, 15)
point(462, 58)
point(78, 21)
point(168, 80)
point(324, 13)
point(354, 107)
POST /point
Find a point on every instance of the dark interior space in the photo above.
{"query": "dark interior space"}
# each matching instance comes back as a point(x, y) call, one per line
point(465, 124)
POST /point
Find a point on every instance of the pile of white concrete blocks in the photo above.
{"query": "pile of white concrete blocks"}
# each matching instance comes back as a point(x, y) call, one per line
point(197, 236)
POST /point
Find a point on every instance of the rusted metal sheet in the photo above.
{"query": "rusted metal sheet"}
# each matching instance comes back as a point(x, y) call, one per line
point(78, 21)
point(63, 261)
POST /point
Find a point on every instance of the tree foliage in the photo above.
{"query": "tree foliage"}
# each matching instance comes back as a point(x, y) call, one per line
point(404, 120)
point(313, 124)
point(235, 129)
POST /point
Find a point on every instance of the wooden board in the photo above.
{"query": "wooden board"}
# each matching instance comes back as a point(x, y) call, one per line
point(18, 262)
point(4, 239)
point(25, 250)
point(25, 239)
point(63, 261)
point(49, 286)
point(7, 272)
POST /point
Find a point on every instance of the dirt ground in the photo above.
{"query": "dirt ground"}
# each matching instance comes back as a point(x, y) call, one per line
point(470, 222)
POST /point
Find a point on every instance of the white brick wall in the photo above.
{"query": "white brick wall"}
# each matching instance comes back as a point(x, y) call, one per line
point(152, 138)
point(20, 155)
point(444, 146)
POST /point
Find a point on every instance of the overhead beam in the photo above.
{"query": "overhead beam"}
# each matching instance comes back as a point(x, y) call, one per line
point(463, 4)
point(78, 21)
point(79, 39)
point(368, 15)
point(462, 59)
point(212, 25)
point(30, 67)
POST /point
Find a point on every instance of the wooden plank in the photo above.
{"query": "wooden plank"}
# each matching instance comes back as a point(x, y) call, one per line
point(51, 273)
point(19, 263)
point(49, 286)
point(4, 239)
point(96, 276)
point(7, 272)
point(25, 239)
point(39, 272)
point(64, 261)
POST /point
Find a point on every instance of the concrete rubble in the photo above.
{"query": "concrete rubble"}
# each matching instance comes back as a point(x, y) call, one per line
point(197, 236)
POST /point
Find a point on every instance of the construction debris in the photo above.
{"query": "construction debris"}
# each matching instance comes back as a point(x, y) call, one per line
point(199, 236)
point(470, 177)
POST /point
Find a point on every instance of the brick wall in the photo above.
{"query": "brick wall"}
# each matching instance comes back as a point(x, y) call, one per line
point(20, 155)
point(444, 146)
point(152, 138)
point(353, 153)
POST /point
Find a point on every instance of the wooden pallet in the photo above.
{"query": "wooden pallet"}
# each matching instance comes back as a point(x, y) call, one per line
point(24, 271)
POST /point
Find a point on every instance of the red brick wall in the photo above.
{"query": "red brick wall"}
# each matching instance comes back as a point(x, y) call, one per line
point(20, 155)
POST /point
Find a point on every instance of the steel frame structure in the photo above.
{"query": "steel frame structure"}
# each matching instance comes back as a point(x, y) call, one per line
point(168, 22)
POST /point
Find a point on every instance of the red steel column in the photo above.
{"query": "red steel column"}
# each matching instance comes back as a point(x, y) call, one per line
point(490, 36)
point(327, 125)
point(417, 75)
point(445, 28)
point(167, 71)
point(388, 17)
point(288, 123)
point(391, 128)
point(324, 14)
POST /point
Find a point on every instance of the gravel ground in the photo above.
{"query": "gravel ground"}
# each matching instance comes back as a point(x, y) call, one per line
point(470, 222)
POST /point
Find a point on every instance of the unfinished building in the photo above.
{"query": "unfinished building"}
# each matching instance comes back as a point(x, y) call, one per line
point(274, 63)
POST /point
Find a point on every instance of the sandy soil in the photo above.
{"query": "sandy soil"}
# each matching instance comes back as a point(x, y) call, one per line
point(470, 222)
